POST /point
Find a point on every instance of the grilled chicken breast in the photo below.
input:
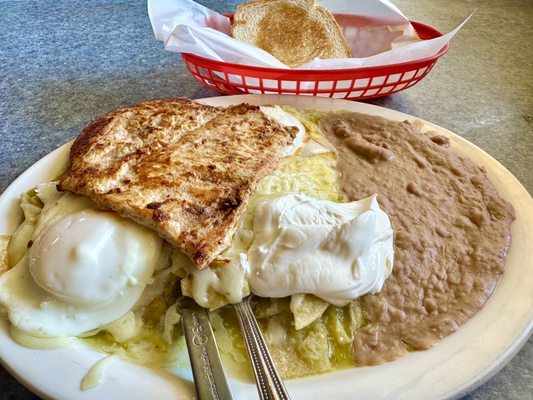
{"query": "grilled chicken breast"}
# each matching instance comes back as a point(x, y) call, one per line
point(182, 168)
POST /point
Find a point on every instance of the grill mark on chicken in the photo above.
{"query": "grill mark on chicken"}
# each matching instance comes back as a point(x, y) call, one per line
point(182, 168)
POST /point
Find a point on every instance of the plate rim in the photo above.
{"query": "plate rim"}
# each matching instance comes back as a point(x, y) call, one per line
point(323, 103)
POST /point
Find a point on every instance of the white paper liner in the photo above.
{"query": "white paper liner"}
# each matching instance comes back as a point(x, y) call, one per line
point(377, 32)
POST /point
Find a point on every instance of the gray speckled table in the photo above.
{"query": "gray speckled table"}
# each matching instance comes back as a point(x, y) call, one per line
point(64, 62)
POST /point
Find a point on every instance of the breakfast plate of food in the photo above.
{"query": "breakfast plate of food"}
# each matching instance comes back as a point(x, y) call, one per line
point(388, 256)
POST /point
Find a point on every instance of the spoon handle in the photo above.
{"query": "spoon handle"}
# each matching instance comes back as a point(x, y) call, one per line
point(209, 378)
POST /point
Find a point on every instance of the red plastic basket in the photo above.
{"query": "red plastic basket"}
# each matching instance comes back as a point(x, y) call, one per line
point(353, 83)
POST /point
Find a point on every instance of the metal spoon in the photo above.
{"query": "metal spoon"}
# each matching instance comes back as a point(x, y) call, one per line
point(209, 377)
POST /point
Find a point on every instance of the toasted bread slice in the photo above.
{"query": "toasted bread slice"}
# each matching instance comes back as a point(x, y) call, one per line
point(184, 169)
point(293, 31)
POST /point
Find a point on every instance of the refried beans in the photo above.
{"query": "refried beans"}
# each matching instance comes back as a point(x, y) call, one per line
point(452, 231)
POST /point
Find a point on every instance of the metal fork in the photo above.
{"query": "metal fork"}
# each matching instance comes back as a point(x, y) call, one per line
point(269, 384)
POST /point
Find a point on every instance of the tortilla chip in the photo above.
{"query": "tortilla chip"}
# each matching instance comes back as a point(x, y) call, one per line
point(306, 309)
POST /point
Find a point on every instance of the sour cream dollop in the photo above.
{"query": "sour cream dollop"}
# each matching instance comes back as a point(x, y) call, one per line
point(336, 251)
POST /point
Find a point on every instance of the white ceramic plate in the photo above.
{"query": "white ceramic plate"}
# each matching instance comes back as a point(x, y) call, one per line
point(454, 366)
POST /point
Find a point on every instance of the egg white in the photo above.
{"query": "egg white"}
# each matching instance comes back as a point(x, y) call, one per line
point(284, 118)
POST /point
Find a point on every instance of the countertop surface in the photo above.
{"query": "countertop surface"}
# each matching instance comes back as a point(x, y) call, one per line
point(64, 62)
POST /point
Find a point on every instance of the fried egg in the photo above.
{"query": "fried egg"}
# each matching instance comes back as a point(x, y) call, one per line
point(84, 269)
